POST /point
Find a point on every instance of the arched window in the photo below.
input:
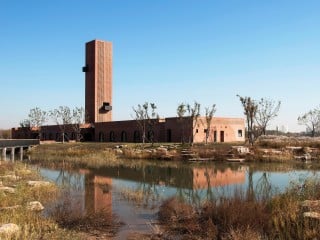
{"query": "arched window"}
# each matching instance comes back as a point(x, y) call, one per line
point(169, 135)
point(123, 136)
point(101, 137)
point(136, 136)
point(66, 137)
point(57, 136)
point(73, 135)
point(112, 136)
point(150, 136)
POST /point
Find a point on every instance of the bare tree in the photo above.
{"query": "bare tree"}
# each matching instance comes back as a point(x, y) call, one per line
point(25, 123)
point(146, 117)
point(209, 115)
point(78, 118)
point(62, 117)
point(36, 119)
point(188, 114)
point(181, 111)
point(193, 114)
point(311, 120)
point(266, 111)
point(250, 110)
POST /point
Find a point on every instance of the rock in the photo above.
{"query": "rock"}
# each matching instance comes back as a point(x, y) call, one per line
point(162, 150)
point(7, 189)
point(11, 177)
point(304, 157)
point(310, 203)
point(1, 184)
point(314, 215)
point(307, 150)
point(10, 208)
point(35, 206)
point(9, 229)
point(121, 146)
point(241, 149)
point(307, 156)
point(118, 151)
point(25, 171)
point(38, 183)
point(138, 151)
point(172, 147)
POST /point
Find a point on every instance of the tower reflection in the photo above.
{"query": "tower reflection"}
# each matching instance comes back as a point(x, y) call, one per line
point(98, 183)
point(98, 193)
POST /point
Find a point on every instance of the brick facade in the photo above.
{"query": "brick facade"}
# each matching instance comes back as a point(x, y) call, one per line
point(173, 130)
point(98, 80)
point(98, 106)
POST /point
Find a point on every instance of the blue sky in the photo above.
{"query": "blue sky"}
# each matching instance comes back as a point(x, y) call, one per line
point(165, 52)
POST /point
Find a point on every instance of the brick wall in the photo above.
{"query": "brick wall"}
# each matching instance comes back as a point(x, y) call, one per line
point(98, 75)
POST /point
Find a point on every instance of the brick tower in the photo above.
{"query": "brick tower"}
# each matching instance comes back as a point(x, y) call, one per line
point(98, 78)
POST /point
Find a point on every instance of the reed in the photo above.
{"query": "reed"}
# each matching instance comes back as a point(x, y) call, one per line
point(70, 216)
point(144, 196)
point(243, 216)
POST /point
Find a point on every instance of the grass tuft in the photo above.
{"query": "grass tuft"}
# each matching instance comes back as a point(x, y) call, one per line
point(244, 217)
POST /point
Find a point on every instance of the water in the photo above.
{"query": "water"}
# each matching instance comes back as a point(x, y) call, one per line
point(134, 193)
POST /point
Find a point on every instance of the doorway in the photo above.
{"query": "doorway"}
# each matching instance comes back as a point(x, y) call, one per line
point(221, 136)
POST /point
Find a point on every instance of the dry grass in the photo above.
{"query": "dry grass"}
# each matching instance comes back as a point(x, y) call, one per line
point(94, 155)
point(244, 217)
point(181, 219)
point(272, 141)
point(33, 225)
point(101, 154)
point(93, 223)
point(242, 234)
point(74, 155)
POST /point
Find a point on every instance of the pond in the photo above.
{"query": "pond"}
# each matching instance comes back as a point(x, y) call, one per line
point(135, 192)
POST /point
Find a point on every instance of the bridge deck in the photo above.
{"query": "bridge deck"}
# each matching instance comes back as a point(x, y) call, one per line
point(5, 143)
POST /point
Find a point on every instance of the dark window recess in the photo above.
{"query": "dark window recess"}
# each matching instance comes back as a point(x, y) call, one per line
point(106, 107)
point(85, 68)
point(239, 133)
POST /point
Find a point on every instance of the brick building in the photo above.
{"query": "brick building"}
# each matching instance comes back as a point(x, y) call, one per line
point(98, 107)
point(98, 81)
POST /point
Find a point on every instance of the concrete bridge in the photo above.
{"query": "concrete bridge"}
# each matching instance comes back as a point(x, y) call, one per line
point(13, 144)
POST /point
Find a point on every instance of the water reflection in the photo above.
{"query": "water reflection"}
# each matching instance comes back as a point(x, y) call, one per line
point(102, 189)
point(98, 194)
point(95, 188)
point(209, 177)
